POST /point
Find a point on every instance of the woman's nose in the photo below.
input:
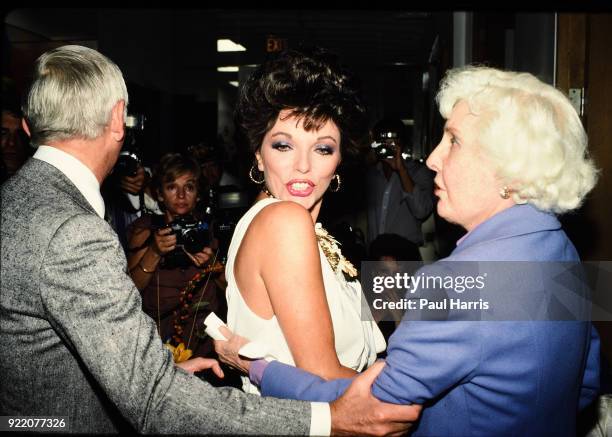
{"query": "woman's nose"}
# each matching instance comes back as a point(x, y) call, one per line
point(303, 163)
point(434, 162)
point(181, 192)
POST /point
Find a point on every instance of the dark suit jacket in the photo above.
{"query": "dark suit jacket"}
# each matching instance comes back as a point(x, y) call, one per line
point(74, 340)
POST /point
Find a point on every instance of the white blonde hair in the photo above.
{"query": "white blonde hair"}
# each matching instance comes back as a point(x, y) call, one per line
point(530, 132)
point(73, 92)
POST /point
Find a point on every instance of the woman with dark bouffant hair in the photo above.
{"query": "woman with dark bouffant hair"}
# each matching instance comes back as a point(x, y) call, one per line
point(290, 291)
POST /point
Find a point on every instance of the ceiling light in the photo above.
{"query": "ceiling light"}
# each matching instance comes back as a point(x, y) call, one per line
point(234, 83)
point(227, 45)
point(228, 69)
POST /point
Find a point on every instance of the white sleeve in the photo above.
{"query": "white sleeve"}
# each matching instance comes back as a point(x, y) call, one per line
point(320, 419)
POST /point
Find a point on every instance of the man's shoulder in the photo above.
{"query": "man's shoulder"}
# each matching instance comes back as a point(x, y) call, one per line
point(37, 202)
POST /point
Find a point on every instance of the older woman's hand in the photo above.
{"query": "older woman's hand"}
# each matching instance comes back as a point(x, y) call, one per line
point(200, 258)
point(228, 350)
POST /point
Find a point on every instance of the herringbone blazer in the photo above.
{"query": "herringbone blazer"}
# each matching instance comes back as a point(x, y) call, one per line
point(74, 341)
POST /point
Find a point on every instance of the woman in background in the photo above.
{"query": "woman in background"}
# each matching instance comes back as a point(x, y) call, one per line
point(163, 271)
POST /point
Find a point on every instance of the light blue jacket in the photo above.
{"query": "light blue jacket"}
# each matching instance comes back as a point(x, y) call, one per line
point(482, 378)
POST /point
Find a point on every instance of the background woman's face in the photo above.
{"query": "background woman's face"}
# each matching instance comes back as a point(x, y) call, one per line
point(465, 181)
point(299, 165)
point(180, 195)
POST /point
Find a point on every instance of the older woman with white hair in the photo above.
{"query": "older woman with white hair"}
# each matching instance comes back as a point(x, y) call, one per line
point(513, 154)
point(513, 140)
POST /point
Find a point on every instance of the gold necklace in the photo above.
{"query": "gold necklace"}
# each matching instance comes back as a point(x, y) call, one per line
point(329, 246)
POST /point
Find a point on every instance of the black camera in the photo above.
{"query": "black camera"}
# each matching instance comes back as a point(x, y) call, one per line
point(190, 233)
point(388, 135)
point(226, 205)
point(130, 156)
point(384, 149)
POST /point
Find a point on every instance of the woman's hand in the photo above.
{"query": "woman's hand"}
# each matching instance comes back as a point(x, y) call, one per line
point(200, 258)
point(164, 241)
point(198, 364)
point(228, 350)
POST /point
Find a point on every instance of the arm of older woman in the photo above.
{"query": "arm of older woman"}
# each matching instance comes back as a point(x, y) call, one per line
point(279, 261)
point(143, 261)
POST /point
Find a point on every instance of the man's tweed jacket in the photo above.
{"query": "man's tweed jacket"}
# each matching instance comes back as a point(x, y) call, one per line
point(74, 341)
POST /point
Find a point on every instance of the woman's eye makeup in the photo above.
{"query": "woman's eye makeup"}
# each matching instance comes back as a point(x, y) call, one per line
point(281, 145)
point(324, 149)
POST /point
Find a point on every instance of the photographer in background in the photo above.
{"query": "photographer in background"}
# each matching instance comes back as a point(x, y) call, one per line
point(399, 191)
point(166, 254)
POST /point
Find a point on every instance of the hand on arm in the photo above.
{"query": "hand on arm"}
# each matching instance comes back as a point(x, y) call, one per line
point(358, 412)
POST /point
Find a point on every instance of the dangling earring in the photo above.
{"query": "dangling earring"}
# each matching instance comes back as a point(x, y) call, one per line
point(505, 192)
point(253, 177)
point(337, 178)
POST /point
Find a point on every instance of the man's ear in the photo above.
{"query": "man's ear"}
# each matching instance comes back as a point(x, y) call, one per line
point(26, 128)
point(117, 123)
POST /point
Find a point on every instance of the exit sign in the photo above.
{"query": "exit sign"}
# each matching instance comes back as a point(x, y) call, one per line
point(275, 44)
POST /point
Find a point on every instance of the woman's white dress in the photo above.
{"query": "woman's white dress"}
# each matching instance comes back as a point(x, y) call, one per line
point(357, 340)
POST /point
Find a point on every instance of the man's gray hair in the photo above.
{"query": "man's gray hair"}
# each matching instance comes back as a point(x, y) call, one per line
point(73, 92)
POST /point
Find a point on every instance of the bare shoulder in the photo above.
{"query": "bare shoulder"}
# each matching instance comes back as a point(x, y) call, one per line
point(281, 217)
point(278, 228)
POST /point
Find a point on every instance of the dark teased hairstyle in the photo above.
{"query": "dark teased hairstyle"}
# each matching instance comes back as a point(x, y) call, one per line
point(172, 166)
point(313, 84)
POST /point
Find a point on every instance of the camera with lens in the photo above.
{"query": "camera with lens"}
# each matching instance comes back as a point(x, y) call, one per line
point(192, 235)
point(130, 156)
point(388, 135)
point(384, 148)
point(226, 205)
